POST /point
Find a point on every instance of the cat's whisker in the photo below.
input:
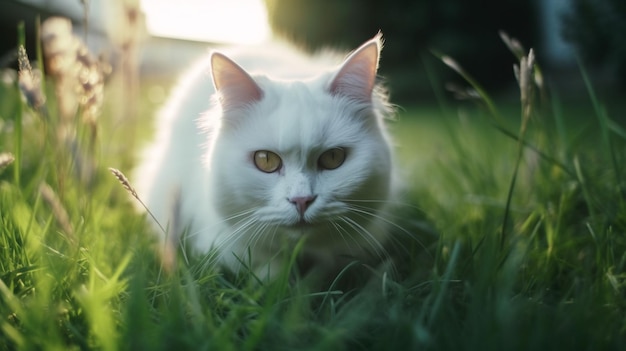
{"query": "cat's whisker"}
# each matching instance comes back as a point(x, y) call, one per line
point(224, 240)
point(209, 260)
point(369, 238)
point(223, 246)
point(245, 214)
point(240, 214)
point(379, 250)
point(341, 231)
point(367, 212)
point(249, 231)
point(240, 228)
point(256, 232)
point(393, 203)
point(258, 235)
point(273, 235)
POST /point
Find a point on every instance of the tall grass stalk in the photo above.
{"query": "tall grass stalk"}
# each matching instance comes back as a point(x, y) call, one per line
point(21, 39)
point(525, 77)
point(603, 121)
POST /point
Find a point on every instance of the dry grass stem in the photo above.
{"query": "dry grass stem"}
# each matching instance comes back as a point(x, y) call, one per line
point(84, 165)
point(168, 249)
point(525, 77)
point(168, 254)
point(58, 211)
point(170, 244)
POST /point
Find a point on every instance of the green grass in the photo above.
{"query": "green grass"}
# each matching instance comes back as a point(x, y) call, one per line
point(78, 269)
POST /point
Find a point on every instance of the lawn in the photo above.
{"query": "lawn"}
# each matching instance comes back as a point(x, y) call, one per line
point(520, 217)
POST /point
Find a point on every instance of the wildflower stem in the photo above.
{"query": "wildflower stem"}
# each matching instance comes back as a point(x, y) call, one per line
point(526, 84)
point(21, 40)
point(603, 121)
point(39, 54)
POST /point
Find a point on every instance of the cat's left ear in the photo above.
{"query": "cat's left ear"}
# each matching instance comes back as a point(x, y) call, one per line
point(234, 84)
point(357, 76)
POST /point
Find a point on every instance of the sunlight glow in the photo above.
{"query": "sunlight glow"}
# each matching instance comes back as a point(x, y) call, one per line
point(230, 21)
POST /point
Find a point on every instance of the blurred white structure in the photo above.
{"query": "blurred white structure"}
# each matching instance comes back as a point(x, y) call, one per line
point(96, 12)
point(218, 21)
point(170, 33)
point(554, 48)
point(177, 31)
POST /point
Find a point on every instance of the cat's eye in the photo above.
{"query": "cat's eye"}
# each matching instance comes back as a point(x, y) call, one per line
point(332, 158)
point(267, 161)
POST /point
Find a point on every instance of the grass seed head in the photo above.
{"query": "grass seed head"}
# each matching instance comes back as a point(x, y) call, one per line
point(79, 75)
point(513, 44)
point(29, 81)
point(126, 184)
point(526, 78)
point(450, 62)
point(6, 159)
point(58, 210)
point(124, 181)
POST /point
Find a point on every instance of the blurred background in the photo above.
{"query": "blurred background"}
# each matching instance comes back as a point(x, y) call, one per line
point(162, 36)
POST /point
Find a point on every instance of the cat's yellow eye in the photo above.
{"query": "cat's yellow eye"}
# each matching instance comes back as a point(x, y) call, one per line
point(332, 158)
point(267, 161)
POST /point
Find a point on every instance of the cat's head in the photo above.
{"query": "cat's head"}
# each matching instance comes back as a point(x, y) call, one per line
point(302, 157)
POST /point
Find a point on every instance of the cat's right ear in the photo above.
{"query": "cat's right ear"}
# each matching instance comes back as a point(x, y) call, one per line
point(357, 76)
point(234, 84)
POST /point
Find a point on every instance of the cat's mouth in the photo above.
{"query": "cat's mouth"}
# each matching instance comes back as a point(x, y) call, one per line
point(302, 224)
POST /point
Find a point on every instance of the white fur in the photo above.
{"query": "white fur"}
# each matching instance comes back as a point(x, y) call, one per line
point(200, 167)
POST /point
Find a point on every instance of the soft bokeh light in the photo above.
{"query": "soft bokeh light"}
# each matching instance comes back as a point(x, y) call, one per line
point(232, 21)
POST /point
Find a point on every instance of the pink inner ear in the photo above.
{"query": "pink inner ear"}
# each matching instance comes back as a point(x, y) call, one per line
point(357, 75)
point(234, 84)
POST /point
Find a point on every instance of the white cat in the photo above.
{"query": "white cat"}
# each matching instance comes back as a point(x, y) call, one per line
point(250, 163)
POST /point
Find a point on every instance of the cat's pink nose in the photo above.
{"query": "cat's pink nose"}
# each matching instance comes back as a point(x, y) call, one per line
point(302, 203)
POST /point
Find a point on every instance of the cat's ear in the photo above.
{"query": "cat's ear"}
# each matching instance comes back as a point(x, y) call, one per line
point(234, 84)
point(357, 76)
